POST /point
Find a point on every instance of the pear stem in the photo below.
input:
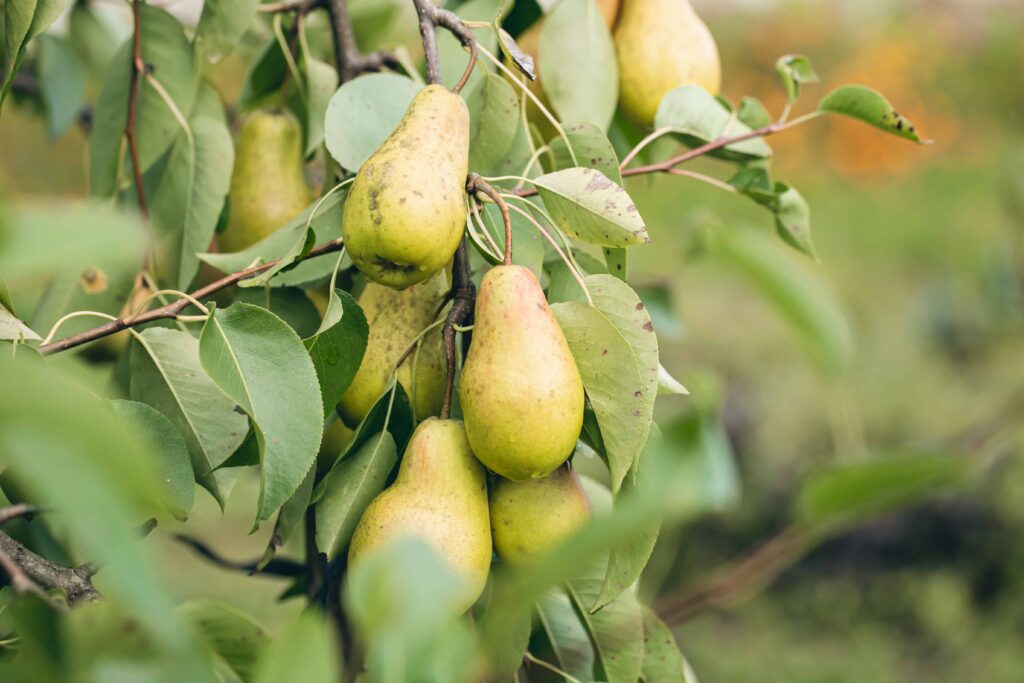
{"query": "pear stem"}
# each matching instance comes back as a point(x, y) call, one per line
point(430, 18)
point(476, 184)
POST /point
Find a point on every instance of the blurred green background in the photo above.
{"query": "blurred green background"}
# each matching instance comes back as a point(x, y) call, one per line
point(924, 247)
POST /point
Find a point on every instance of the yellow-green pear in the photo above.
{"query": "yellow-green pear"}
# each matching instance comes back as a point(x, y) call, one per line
point(521, 392)
point(268, 188)
point(440, 497)
point(406, 211)
point(395, 319)
point(530, 517)
point(661, 45)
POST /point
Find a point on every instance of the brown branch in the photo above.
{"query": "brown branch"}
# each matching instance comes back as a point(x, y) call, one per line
point(21, 564)
point(173, 310)
point(16, 511)
point(430, 18)
point(348, 60)
point(276, 567)
point(461, 313)
point(138, 69)
point(477, 184)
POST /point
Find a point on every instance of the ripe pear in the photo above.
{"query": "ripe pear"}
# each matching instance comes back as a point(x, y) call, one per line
point(440, 497)
point(406, 211)
point(661, 45)
point(530, 517)
point(268, 188)
point(395, 319)
point(521, 392)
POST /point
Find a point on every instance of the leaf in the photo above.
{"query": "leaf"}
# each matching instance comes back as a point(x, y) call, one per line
point(12, 329)
point(264, 77)
point(290, 304)
point(337, 351)
point(591, 147)
point(588, 206)
point(663, 662)
point(527, 243)
point(306, 651)
point(753, 114)
point(363, 113)
point(61, 83)
point(493, 120)
point(792, 214)
point(794, 71)
point(46, 13)
point(708, 480)
point(798, 295)
point(166, 374)
point(292, 514)
point(349, 488)
point(845, 494)
point(454, 58)
point(616, 630)
point(17, 19)
point(321, 82)
point(869, 106)
point(578, 64)
point(92, 39)
point(521, 60)
point(258, 361)
point(173, 462)
point(566, 633)
point(231, 634)
point(191, 193)
point(164, 46)
point(669, 385)
point(222, 25)
point(699, 118)
point(613, 381)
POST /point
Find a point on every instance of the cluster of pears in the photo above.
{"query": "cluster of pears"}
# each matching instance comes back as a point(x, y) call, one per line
point(660, 44)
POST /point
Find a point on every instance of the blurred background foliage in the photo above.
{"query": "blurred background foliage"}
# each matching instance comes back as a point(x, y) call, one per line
point(924, 248)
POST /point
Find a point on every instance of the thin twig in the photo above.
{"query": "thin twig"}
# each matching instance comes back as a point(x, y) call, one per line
point(430, 18)
point(16, 511)
point(461, 313)
point(138, 68)
point(477, 184)
point(276, 567)
point(348, 60)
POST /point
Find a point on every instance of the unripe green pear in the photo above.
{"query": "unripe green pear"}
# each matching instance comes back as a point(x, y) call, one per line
point(406, 212)
point(395, 319)
point(268, 188)
point(439, 497)
point(661, 45)
point(530, 517)
point(521, 392)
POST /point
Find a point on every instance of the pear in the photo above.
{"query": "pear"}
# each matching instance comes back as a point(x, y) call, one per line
point(406, 211)
point(530, 517)
point(521, 392)
point(395, 319)
point(268, 188)
point(661, 45)
point(440, 497)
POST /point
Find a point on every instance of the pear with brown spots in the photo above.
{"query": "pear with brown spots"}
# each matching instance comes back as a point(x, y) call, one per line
point(521, 392)
point(439, 497)
point(406, 212)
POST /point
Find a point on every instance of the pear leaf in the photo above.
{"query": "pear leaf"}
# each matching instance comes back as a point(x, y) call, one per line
point(869, 106)
point(698, 118)
point(794, 71)
point(493, 120)
point(616, 630)
point(663, 662)
point(12, 329)
point(222, 25)
point(567, 634)
point(337, 351)
point(233, 636)
point(305, 651)
point(587, 206)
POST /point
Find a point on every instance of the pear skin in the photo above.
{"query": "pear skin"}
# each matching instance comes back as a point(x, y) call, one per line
point(268, 188)
point(530, 517)
point(661, 45)
point(440, 497)
point(395, 319)
point(406, 212)
point(521, 392)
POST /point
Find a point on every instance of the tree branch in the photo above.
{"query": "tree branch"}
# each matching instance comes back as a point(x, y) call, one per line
point(276, 567)
point(21, 564)
point(461, 313)
point(138, 69)
point(430, 18)
point(348, 60)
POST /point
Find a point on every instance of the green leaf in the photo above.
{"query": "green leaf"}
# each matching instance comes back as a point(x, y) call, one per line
point(93, 39)
point(12, 329)
point(321, 82)
point(39, 240)
point(454, 57)
point(616, 630)
point(173, 462)
point(46, 13)
point(578, 63)
point(231, 635)
point(290, 304)
point(349, 488)
point(292, 514)
point(753, 114)
point(264, 77)
point(165, 46)
point(166, 374)
point(493, 121)
point(288, 242)
point(527, 242)
point(512, 52)
point(17, 19)
point(613, 381)
point(794, 71)
point(258, 361)
point(62, 83)
point(306, 651)
point(222, 25)
point(588, 206)
point(792, 214)
point(363, 113)
point(566, 633)
point(799, 295)
point(663, 662)
point(869, 106)
point(191, 193)
point(695, 115)
point(592, 148)
point(845, 494)
point(337, 351)
point(708, 479)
